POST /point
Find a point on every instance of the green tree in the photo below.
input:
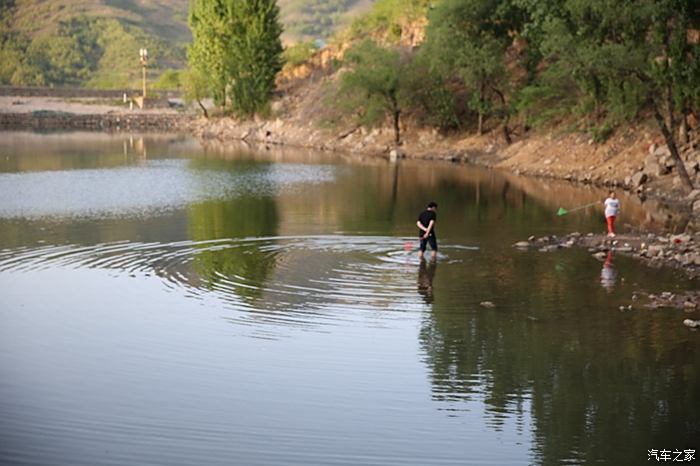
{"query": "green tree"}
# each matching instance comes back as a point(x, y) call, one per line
point(206, 55)
point(428, 93)
point(477, 34)
point(671, 71)
point(255, 54)
point(375, 83)
point(629, 55)
point(299, 53)
point(170, 79)
point(236, 43)
point(195, 84)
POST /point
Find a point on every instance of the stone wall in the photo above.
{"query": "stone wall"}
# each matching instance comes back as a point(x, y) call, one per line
point(112, 122)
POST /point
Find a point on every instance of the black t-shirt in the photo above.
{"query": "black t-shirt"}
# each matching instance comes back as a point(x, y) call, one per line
point(424, 218)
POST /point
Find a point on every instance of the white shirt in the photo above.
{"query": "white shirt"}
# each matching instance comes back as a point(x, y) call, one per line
point(612, 206)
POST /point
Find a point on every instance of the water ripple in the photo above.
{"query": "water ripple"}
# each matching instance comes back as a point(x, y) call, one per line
point(288, 280)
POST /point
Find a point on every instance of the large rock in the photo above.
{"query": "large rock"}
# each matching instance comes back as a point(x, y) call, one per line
point(691, 323)
point(662, 151)
point(638, 179)
point(652, 166)
point(694, 258)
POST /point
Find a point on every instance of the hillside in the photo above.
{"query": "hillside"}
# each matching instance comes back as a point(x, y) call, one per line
point(93, 43)
point(163, 19)
point(318, 19)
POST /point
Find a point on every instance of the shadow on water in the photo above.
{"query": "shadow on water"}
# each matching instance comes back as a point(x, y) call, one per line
point(426, 275)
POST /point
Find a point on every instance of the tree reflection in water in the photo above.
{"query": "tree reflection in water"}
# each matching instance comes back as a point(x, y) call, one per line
point(599, 386)
point(242, 217)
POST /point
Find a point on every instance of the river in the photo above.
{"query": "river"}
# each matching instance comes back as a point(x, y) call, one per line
point(165, 303)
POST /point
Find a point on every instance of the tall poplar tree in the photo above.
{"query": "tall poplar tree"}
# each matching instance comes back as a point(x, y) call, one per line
point(207, 54)
point(255, 54)
point(236, 44)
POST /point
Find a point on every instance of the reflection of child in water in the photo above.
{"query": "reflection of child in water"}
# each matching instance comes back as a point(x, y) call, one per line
point(608, 275)
point(426, 274)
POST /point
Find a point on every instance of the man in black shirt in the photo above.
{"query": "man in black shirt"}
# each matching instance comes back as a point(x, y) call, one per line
point(426, 232)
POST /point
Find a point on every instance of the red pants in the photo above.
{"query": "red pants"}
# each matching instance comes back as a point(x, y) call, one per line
point(611, 224)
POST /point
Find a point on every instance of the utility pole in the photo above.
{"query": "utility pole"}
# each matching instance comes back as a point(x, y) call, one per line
point(143, 54)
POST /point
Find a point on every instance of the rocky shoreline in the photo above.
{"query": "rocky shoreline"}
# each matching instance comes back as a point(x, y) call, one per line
point(679, 251)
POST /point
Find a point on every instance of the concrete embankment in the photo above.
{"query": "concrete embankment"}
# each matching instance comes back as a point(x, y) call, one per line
point(43, 120)
point(58, 109)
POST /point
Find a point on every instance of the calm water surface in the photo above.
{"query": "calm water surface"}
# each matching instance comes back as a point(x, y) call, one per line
point(166, 304)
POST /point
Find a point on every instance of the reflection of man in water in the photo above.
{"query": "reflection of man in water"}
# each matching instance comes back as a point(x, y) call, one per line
point(426, 233)
point(608, 275)
point(426, 274)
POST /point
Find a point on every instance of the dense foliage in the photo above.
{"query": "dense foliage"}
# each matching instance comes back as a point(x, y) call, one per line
point(387, 18)
point(299, 53)
point(376, 83)
point(236, 47)
point(607, 61)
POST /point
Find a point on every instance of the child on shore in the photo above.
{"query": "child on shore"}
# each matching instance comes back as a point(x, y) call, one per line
point(612, 208)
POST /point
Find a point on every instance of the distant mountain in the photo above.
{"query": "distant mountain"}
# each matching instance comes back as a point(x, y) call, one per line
point(95, 43)
point(91, 43)
point(164, 19)
point(318, 19)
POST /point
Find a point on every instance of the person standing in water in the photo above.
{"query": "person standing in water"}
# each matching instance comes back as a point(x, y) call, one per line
point(426, 233)
point(612, 208)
